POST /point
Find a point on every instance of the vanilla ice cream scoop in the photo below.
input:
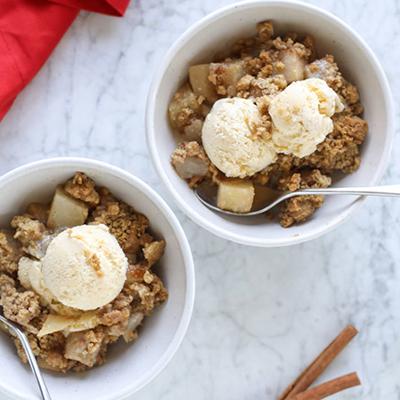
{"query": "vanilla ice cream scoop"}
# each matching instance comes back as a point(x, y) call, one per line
point(301, 116)
point(84, 267)
point(31, 277)
point(231, 140)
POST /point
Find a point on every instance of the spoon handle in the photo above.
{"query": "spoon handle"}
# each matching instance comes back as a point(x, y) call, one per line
point(389, 190)
point(33, 364)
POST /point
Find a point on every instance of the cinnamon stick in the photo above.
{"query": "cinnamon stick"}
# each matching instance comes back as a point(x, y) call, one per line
point(319, 365)
point(329, 388)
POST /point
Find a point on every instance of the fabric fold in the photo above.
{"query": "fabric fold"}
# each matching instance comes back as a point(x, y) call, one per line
point(29, 32)
point(110, 7)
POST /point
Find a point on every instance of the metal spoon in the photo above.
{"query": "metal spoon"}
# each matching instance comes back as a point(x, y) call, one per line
point(17, 332)
point(207, 194)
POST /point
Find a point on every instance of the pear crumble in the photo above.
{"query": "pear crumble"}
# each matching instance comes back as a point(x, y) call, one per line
point(270, 112)
point(66, 338)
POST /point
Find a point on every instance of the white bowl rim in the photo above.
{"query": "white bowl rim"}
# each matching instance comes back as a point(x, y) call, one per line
point(151, 139)
point(81, 162)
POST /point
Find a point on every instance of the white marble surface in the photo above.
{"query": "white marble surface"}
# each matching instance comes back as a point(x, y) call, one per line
point(260, 314)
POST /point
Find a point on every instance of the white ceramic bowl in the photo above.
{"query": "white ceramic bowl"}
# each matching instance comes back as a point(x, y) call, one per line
point(218, 30)
point(129, 367)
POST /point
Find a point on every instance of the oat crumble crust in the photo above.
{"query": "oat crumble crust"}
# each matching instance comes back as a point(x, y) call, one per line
point(128, 226)
point(27, 230)
point(255, 69)
point(143, 290)
point(10, 253)
point(81, 187)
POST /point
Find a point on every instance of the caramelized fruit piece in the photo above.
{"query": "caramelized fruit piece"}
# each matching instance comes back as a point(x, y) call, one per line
point(190, 160)
point(186, 113)
point(190, 167)
point(182, 107)
point(225, 76)
point(201, 85)
point(235, 195)
point(294, 66)
point(66, 211)
point(56, 323)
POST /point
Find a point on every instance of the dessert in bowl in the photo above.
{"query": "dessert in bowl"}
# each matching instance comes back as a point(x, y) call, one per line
point(281, 96)
point(76, 274)
point(269, 114)
point(89, 254)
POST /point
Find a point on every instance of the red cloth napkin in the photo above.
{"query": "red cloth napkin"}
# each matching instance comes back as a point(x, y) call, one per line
point(30, 30)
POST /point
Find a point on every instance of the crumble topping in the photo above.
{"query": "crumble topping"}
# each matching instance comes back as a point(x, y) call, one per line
point(128, 226)
point(82, 188)
point(153, 251)
point(340, 151)
point(298, 209)
point(20, 307)
point(6, 283)
point(27, 230)
point(252, 87)
point(10, 253)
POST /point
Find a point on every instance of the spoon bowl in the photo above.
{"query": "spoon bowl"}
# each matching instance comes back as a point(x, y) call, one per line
point(266, 198)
